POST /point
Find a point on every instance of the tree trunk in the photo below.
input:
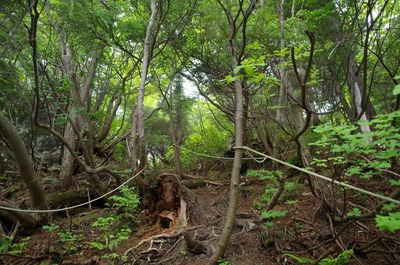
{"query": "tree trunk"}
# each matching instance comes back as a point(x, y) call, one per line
point(67, 160)
point(282, 95)
point(138, 140)
point(147, 54)
point(357, 88)
point(79, 122)
point(25, 219)
point(261, 136)
point(14, 141)
point(174, 134)
point(239, 115)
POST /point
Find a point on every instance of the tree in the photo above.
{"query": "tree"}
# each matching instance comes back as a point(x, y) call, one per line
point(27, 172)
point(235, 27)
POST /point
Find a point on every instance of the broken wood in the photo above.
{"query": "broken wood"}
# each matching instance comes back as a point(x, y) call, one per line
point(202, 182)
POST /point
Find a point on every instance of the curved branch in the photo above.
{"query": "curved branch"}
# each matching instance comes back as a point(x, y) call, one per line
point(14, 141)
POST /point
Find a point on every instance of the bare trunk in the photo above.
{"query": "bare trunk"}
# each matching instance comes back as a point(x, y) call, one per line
point(24, 219)
point(357, 89)
point(261, 136)
point(138, 140)
point(282, 98)
point(239, 122)
point(174, 135)
point(112, 109)
point(237, 163)
point(79, 125)
point(11, 136)
point(67, 162)
point(133, 143)
point(148, 46)
point(357, 99)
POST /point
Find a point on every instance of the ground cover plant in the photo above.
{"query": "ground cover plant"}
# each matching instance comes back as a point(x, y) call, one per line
point(199, 132)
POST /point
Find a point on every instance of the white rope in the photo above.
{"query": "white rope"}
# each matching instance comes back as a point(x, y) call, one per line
point(71, 207)
point(260, 161)
point(218, 157)
point(385, 198)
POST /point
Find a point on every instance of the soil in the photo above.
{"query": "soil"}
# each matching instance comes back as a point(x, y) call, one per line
point(306, 230)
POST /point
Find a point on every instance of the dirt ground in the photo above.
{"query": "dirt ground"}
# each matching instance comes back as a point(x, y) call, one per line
point(305, 232)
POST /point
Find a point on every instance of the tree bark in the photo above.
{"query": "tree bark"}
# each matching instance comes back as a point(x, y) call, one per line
point(282, 95)
point(67, 159)
point(356, 86)
point(147, 54)
point(239, 117)
point(79, 123)
point(14, 141)
point(138, 140)
point(261, 136)
point(174, 134)
point(23, 218)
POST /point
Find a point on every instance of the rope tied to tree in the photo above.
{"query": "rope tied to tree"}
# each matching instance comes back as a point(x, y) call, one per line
point(75, 206)
point(343, 184)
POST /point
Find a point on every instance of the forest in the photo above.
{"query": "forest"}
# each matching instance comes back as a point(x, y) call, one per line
point(199, 132)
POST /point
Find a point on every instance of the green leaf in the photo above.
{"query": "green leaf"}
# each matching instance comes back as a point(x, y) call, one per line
point(272, 214)
point(97, 245)
point(298, 259)
point(390, 222)
point(354, 171)
point(389, 206)
point(394, 182)
point(396, 90)
point(355, 212)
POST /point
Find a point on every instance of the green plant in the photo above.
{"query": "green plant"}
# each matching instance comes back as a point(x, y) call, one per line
point(391, 222)
point(111, 237)
point(69, 239)
point(97, 245)
point(291, 202)
point(265, 174)
point(121, 235)
point(271, 214)
point(184, 254)
point(222, 261)
point(66, 236)
point(50, 228)
point(359, 154)
point(21, 246)
point(294, 160)
point(104, 223)
point(116, 225)
point(355, 212)
point(6, 243)
point(127, 203)
point(342, 259)
point(115, 257)
point(269, 190)
point(301, 260)
point(15, 248)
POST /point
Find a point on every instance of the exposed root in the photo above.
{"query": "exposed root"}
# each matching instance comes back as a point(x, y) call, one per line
point(196, 246)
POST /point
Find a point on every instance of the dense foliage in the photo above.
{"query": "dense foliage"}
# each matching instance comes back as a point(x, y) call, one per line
point(318, 84)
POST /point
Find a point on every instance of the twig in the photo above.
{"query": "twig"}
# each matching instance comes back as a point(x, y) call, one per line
point(23, 256)
point(151, 239)
point(325, 254)
point(210, 182)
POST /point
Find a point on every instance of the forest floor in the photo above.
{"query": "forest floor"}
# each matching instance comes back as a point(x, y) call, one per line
point(295, 232)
